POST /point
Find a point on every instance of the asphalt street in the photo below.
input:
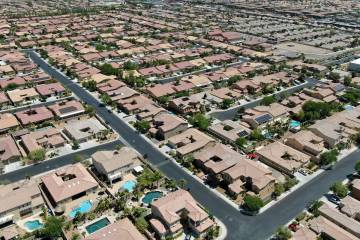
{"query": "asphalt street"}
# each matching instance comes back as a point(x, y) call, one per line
point(231, 113)
point(54, 163)
point(239, 226)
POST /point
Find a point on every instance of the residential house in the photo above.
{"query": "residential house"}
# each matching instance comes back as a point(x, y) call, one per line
point(229, 131)
point(85, 130)
point(176, 207)
point(51, 89)
point(9, 151)
point(188, 104)
point(133, 104)
point(321, 225)
point(355, 189)
point(335, 216)
point(4, 100)
point(19, 96)
point(351, 207)
point(114, 164)
point(8, 121)
point(45, 138)
point(166, 125)
point(308, 143)
point(122, 229)
point(20, 199)
point(66, 109)
point(337, 128)
point(240, 173)
point(67, 184)
point(283, 158)
point(189, 141)
point(34, 115)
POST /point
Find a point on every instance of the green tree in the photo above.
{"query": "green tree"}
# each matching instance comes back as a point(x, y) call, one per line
point(163, 99)
point(200, 121)
point(10, 86)
point(357, 167)
point(290, 182)
point(283, 233)
point(253, 203)
point(329, 157)
point(279, 189)
point(182, 183)
point(226, 103)
point(78, 158)
point(347, 80)
point(268, 100)
point(241, 142)
point(37, 155)
point(53, 227)
point(318, 110)
point(314, 208)
point(106, 99)
point(75, 145)
point(107, 69)
point(89, 85)
point(142, 126)
point(256, 135)
point(90, 110)
point(339, 189)
point(129, 65)
point(141, 224)
point(334, 76)
point(351, 96)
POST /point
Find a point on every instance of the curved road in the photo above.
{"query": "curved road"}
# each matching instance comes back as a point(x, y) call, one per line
point(239, 226)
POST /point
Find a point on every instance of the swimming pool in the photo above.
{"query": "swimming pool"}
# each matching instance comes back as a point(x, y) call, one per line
point(129, 185)
point(348, 107)
point(151, 196)
point(33, 225)
point(97, 225)
point(83, 207)
point(294, 124)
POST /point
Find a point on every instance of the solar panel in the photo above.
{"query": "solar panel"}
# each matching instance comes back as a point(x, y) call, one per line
point(339, 87)
point(263, 118)
point(67, 109)
point(242, 133)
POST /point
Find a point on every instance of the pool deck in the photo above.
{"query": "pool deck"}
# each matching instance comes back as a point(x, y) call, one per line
point(21, 223)
point(82, 229)
point(117, 186)
point(75, 203)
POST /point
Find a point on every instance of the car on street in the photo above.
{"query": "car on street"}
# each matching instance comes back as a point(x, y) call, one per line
point(333, 198)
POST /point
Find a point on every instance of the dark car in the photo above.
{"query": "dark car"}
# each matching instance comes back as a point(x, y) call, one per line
point(333, 198)
point(101, 105)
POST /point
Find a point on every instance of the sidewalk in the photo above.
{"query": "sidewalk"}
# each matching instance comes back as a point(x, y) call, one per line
point(259, 99)
point(342, 155)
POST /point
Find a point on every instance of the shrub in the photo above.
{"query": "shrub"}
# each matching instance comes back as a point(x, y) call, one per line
point(253, 203)
point(339, 189)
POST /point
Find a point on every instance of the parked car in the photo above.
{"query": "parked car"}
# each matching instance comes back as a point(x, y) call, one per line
point(302, 171)
point(333, 198)
point(294, 227)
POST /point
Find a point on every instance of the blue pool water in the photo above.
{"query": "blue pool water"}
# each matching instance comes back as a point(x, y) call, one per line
point(151, 196)
point(348, 107)
point(294, 124)
point(97, 225)
point(129, 185)
point(83, 207)
point(33, 225)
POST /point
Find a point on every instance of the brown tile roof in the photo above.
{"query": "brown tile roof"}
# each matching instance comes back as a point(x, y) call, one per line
point(8, 149)
point(122, 229)
point(68, 181)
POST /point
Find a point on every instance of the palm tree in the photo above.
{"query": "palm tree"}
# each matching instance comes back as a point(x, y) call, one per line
point(182, 183)
point(157, 176)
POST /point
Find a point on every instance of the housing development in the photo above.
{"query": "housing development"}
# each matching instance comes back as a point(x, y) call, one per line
point(154, 120)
